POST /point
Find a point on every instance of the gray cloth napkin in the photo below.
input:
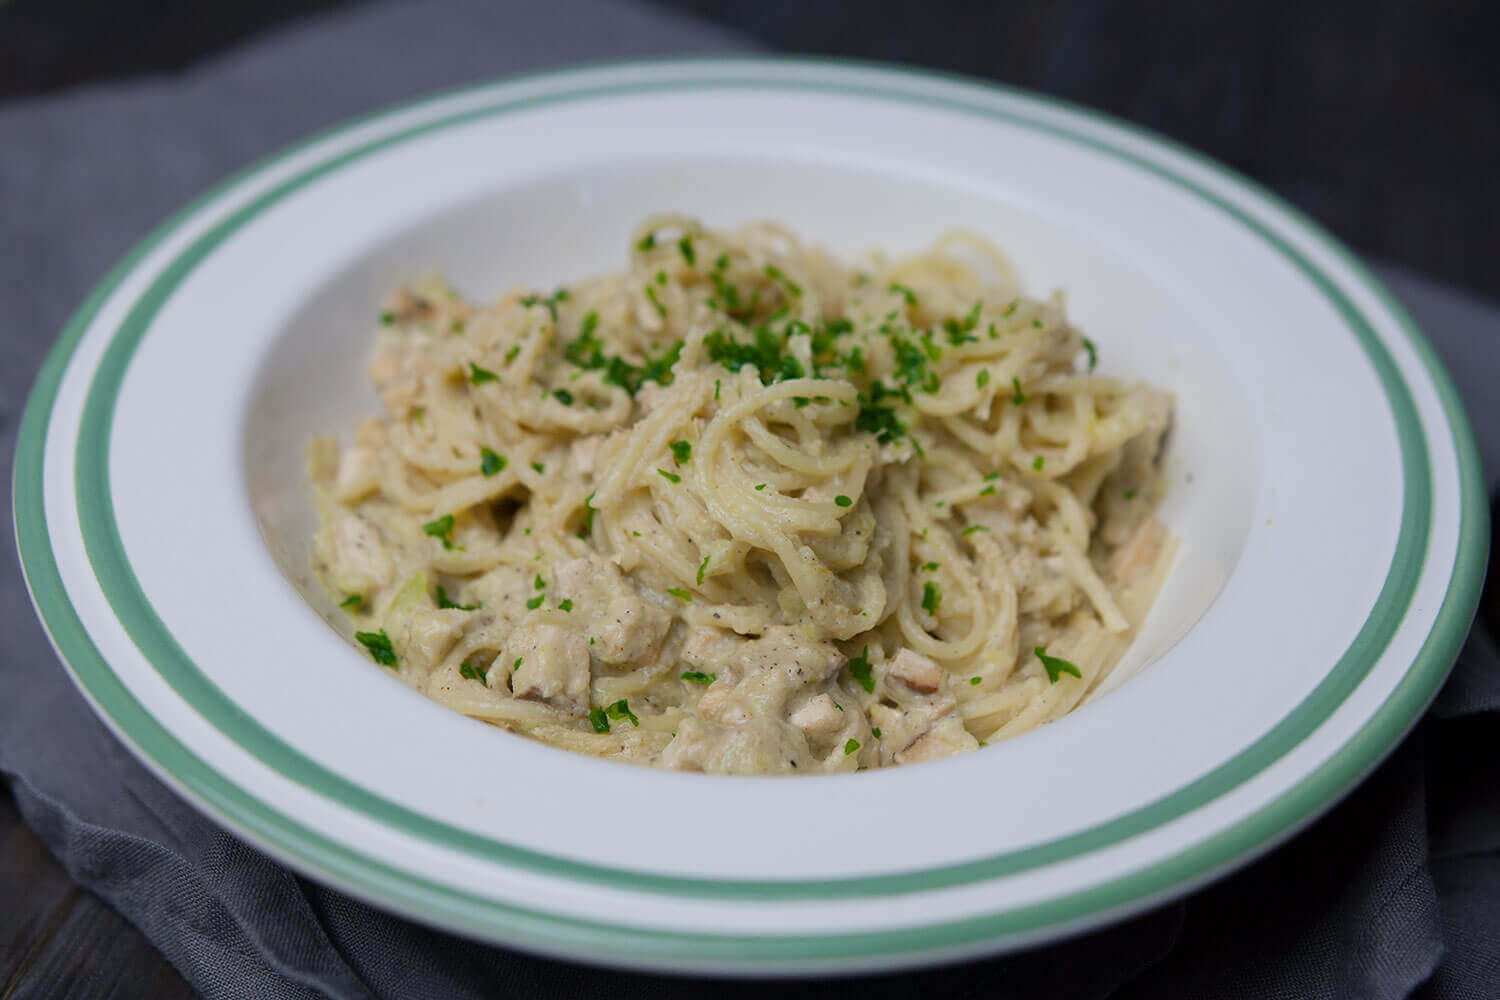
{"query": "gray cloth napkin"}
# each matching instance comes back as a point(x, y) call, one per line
point(1395, 891)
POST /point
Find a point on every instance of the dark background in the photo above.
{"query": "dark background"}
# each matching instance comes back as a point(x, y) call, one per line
point(1380, 118)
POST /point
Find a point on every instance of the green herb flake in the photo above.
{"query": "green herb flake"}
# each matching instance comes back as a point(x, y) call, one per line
point(716, 388)
point(1131, 493)
point(851, 746)
point(702, 568)
point(474, 673)
point(353, 602)
point(670, 477)
point(682, 451)
point(479, 376)
point(929, 567)
point(685, 245)
point(906, 293)
point(538, 467)
point(510, 355)
point(983, 378)
point(563, 396)
point(1018, 397)
point(379, 646)
point(566, 604)
point(859, 669)
point(1056, 666)
point(699, 677)
point(621, 710)
point(651, 294)
point(760, 486)
point(843, 501)
point(1010, 309)
point(1037, 323)
point(680, 594)
point(442, 529)
point(517, 665)
point(457, 326)
point(876, 731)
point(491, 464)
point(932, 597)
point(586, 526)
point(598, 720)
point(1088, 345)
point(775, 274)
point(647, 242)
point(387, 318)
point(444, 601)
point(975, 681)
point(1038, 462)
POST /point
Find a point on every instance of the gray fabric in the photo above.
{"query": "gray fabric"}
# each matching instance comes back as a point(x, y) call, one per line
point(1398, 889)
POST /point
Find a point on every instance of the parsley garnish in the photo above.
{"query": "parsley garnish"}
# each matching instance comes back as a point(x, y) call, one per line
point(387, 318)
point(670, 477)
point(651, 294)
point(686, 246)
point(598, 721)
point(1088, 345)
point(843, 501)
point(586, 527)
point(851, 746)
point(566, 604)
point(1131, 493)
point(681, 451)
point(379, 645)
point(1038, 462)
point(647, 242)
point(906, 293)
point(510, 355)
point(701, 568)
point(441, 529)
point(563, 396)
point(680, 594)
point(1012, 307)
point(535, 602)
point(540, 583)
point(983, 378)
point(443, 601)
point(775, 274)
point(474, 673)
point(716, 388)
point(767, 354)
point(876, 731)
point(491, 464)
point(352, 601)
point(699, 677)
point(859, 669)
point(930, 567)
point(550, 302)
point(1018, 397)
point(760, 486)
point(1056, 666)
point(539, 467)
point(478, 375)
point(974, 681)
point(932, 597)
point(621, 710)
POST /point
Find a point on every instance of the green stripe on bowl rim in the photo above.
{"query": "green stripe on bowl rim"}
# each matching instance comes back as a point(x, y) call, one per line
point(375, 880)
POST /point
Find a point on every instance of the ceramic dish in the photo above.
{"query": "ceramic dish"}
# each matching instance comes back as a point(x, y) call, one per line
point(1324, 483)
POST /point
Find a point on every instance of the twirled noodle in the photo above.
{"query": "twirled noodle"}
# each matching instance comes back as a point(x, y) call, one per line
point(742, 508)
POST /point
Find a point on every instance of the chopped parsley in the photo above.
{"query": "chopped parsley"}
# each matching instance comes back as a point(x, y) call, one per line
point(682, 451)
point(699, 677)
point(444, 601)
point(962, 331)
point(566, 604)
point(510, 355)
point(1038, 462)
point(983, 378)
point(906, 293)
point(441, 529)
point(759, 487)
point(859, 669)
point(843, 501)
point(716, 388)
point(1056, 666)
point(563, 396)
point(702, 567)
point(1018, 397)
point(586, 526)
point(379, 646)
point(975, 681)
point(491, 464)
point(539, 467)
point(651, 294)
point(929, 567)
point(876, 731)
point(775, 274)
point(932, 597)
point(598, 720)
point(387, 318)
point(647, 242)
point(680, 594)
point(766, 353)
point(478, 375)
point(1037, 323)
point(353, 601)
point(686, 246)
point(1130, 494)
point(1010, 309)
point(670, 477)
point(878, 417)
point(621, 710)
point(474, 673)
point(548, 302)
point(1088, 345)
point(457, 326)
point(851, 746)
point(540, 583)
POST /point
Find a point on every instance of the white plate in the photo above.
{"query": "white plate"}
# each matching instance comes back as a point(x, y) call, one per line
point(1324, 483)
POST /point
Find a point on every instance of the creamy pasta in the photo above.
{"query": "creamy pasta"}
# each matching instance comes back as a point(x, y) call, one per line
point(743, 508)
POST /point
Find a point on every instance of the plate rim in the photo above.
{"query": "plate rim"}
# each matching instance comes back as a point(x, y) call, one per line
point(1293, 807)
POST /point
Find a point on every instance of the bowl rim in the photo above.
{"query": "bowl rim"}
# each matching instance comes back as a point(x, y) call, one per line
point(372, 879)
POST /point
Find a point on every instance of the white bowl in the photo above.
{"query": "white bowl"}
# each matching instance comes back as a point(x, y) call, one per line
point(1323, 480)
